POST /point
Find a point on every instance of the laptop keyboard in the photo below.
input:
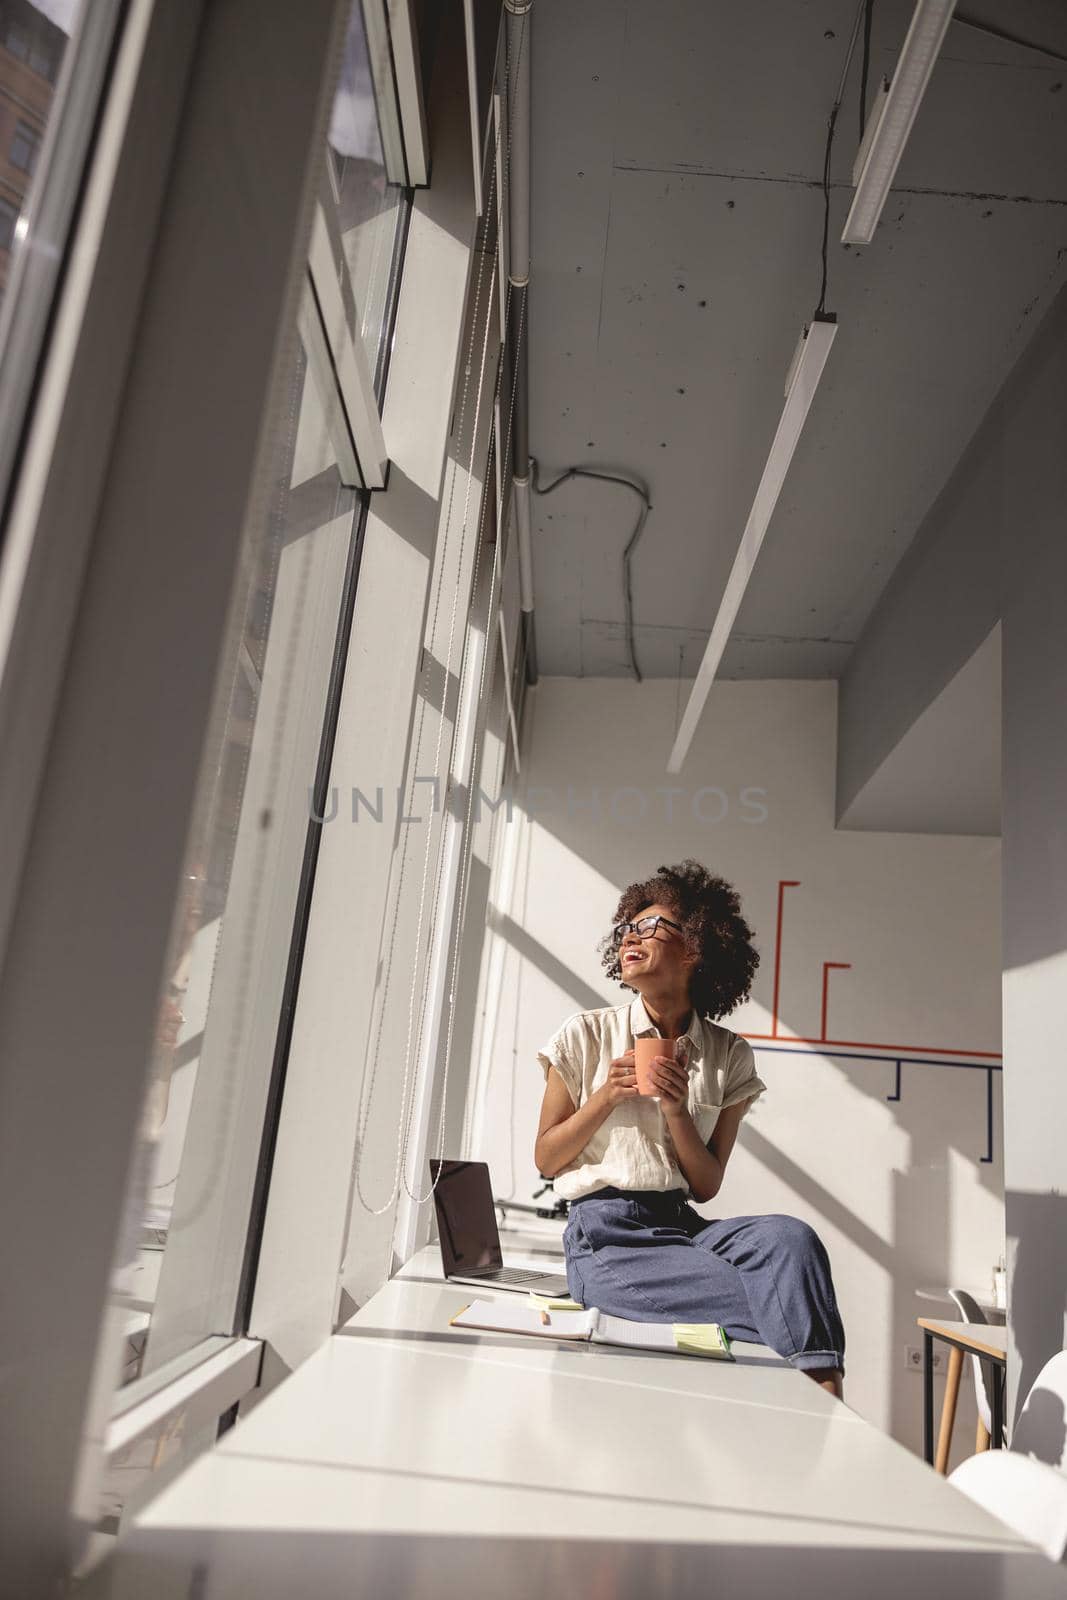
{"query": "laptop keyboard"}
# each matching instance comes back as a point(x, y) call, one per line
point(520, 1275)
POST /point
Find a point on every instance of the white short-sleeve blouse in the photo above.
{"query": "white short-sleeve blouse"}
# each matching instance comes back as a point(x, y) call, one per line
point(632, 1148)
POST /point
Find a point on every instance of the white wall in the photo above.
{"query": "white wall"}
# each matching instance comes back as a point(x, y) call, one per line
point(897, 1190)
point(1028, 484)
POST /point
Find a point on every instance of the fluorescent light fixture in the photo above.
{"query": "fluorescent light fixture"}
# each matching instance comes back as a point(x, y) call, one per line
point(802, 380)
point(896, 112)
point(870, 129)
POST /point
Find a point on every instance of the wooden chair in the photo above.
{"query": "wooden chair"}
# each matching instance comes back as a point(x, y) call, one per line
point(984, 1377)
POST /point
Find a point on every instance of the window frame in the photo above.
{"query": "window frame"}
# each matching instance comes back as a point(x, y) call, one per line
point(393, 50)
point(367, 457)
point(119, 310)
point(76, 134)
point(143, 306)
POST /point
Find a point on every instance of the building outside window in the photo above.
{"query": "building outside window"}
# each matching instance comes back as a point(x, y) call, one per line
point(32, 46)
point(24, 147)
point(9, 216)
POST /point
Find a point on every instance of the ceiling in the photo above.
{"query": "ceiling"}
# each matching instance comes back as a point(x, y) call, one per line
point(676, 228)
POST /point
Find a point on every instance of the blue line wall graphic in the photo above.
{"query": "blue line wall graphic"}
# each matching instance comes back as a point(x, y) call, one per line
point(898, 1061)
point(822, 1047)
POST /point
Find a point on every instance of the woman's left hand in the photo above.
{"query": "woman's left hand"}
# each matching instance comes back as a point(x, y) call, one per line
point(672, 1086)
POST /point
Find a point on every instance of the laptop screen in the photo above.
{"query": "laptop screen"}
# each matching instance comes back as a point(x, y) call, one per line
point(466, 1221)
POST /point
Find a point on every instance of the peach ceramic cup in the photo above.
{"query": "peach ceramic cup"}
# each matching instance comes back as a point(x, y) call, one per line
point(645, 1052)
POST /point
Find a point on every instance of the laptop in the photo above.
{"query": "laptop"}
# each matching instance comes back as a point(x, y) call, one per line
point(467, 1231)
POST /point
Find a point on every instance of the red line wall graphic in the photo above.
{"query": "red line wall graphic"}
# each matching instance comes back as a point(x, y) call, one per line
point(784, 883)
point(844, 965)
point(979, 1060)
point(825, 1038)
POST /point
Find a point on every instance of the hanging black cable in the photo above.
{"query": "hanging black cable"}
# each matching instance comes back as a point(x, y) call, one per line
point(1008, 38)
point(868, 14)
point(820, 309)
point(641, 491)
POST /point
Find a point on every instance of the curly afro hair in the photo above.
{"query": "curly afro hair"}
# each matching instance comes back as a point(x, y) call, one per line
point(709, 911)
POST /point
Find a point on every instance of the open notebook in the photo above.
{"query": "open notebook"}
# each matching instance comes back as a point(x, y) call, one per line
point(595, 1327)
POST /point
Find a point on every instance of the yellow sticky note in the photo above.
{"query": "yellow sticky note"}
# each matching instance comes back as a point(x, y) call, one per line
point(700, 1338)
point(545, 1302)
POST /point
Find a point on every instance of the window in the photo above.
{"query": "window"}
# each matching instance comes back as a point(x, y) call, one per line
point(197, 1196)
point(371, 209)
point(191, 1206)
point(24, 147)
point(206, 1071)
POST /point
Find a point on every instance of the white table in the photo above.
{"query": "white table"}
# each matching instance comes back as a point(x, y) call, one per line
point(406, 1458)
point(995, 1315)
point(989, 1344)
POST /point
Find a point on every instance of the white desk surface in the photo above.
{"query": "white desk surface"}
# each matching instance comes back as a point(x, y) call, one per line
point(408, 1458)
point(994, 1338)
point(993, 1313)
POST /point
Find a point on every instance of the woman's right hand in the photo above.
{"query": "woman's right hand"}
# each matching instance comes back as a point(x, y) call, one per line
point(621, 1081)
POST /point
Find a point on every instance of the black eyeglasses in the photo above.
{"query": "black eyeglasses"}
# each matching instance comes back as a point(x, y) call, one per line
point(644, 928)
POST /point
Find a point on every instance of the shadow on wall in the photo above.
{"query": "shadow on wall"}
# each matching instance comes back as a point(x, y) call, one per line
point(1037, 1284)
point(920, 1240)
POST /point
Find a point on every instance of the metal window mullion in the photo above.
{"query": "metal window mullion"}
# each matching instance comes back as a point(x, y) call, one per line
point(407, 73)
point(512, 723)
point(354, 378)
point(472, 86)
point(323, 368)
point(376, 22)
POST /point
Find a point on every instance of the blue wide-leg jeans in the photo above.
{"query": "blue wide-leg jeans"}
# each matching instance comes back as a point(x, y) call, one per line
point(646, 1254)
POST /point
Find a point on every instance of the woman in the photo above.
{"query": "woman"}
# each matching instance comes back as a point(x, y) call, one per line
point(634, 1245)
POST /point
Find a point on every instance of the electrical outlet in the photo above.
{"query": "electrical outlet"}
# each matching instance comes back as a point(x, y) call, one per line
point(913, 1358)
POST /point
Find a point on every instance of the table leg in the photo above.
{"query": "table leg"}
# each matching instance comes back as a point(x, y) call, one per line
point(928, 1396)
point(997, 1408)
point(948, 1408)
